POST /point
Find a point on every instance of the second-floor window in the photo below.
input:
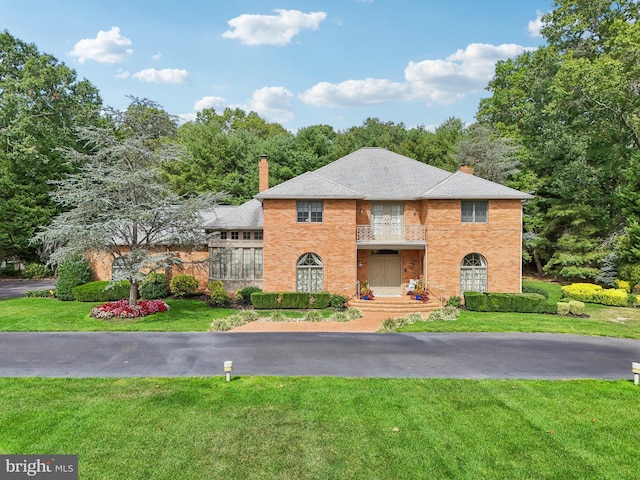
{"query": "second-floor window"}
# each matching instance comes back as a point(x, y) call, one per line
point(309, 212)
point(474, 211)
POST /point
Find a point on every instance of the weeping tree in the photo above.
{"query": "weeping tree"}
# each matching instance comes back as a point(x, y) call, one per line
point(117, 202)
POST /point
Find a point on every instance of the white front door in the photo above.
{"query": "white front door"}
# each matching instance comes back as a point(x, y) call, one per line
point(385, 274)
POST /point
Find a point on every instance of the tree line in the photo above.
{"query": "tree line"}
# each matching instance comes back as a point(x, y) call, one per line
point(561, 122)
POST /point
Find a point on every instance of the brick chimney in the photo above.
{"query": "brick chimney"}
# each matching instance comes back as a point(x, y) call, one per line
point(264, 173)
point(466, 169)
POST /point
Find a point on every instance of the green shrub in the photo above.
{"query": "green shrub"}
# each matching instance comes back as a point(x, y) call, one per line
point(244, 295)
point(155, 286)
point(633, 300)
point(277, 316)
point(340, 317)
point(218, 295)
point(101, 291)
point(39, 293)
point(72, 272)
point(393, 324)
point(225, 324)
point(183, 285)
point(583, 292)
point(414, 317)
point(10, 271)
point(319, 300)
point(296, 300)
point(624, 285)
point(354, 313)
point(454, 301)
point(615, 297)
point(532, 289)
point(507, 302)
point(576, 307)
point(313, 316)
point(36, 271)
point(248, 315)
point(338, 301)
point(563, 307)
point(265, 300)
point(447, 313)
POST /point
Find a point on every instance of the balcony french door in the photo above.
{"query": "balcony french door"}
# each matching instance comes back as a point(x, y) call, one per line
point(387, 221)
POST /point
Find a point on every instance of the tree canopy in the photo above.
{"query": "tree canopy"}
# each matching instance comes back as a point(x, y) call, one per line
point(41, 104)
point(116, 202)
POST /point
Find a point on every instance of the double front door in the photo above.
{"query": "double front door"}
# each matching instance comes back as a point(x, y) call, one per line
point(387, 221)
point(385, 274)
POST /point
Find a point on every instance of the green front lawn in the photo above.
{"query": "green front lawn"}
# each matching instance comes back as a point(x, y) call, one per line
point(602, 320)
point(326, 428)
point(49, 315)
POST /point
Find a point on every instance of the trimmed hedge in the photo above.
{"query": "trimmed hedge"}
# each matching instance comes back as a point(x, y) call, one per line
point(98, 292)
point(508, 302)
point(263, 300)
point(319, 300)
point(532, 289)
point(290, 300)
point(590, 293)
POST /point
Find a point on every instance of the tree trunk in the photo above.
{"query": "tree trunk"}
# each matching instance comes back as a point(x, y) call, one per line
point(536, 258)
point(133, 293)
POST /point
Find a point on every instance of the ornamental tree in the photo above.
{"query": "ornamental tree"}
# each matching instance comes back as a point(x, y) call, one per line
point(117, 202)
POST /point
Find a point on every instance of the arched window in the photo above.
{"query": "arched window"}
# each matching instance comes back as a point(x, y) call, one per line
point(117, 269)
point(309, 273)
point(473, 273)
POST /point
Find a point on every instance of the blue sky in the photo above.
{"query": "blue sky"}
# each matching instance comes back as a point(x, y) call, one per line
point(298, 63)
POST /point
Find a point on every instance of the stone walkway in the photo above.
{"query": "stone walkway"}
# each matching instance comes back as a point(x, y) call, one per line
point(370, 322)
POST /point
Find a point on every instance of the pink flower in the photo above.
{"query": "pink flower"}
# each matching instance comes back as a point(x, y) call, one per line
point(122, 309)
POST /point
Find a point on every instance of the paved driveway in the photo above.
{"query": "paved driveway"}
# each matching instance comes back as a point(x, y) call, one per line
point(452, 355)
point(16, 288)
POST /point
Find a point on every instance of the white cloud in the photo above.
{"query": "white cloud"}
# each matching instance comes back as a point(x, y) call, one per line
point(535, 26)
point(156, 57)
point(166, 75)
point(272, 29)
point(107, 47)
point(122, 74)
point(273, 103)
point(465, 71)
point(370, 91)
point(442, 81)
point(186, 117)
point(217, 103)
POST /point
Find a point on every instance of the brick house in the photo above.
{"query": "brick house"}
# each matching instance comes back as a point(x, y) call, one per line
point(372, 216)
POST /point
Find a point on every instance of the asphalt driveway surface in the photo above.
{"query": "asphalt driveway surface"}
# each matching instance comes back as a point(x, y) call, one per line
point(17, 288)
point(450, 355)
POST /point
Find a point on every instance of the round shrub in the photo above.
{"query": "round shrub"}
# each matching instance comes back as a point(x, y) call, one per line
point(454, 301)
point(354, 313)
point(277, 316)
point(72, 272)
point(36, 271)
point(576, 307)
point(563, 308)
point(338, 301)
point(244, 295)
point(183, 285)
point(218, 295)
point(154, 286)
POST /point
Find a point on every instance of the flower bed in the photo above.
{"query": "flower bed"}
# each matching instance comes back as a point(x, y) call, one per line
point(122, 309)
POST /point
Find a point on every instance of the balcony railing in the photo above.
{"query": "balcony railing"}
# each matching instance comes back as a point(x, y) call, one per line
point(391, 233)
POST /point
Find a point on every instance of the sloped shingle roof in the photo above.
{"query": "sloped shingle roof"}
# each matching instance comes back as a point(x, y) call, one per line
point(246, 216)
point(378, 174)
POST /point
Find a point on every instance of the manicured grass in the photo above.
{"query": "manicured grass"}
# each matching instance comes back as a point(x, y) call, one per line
point(602, 320)
point(49, 315)
point(312, 428)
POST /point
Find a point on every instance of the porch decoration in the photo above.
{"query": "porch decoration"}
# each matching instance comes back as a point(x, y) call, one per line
point(365, 292)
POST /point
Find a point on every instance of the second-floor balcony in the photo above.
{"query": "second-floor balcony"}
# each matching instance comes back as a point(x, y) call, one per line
point(391, 234)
